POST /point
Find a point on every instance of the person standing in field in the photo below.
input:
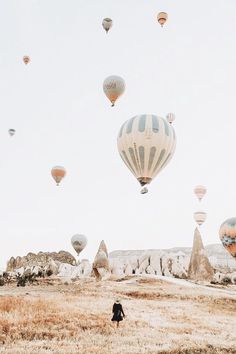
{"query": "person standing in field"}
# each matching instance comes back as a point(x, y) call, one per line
point(118, 313)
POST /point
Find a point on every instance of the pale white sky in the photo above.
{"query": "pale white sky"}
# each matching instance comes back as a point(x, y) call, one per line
point(62, 117)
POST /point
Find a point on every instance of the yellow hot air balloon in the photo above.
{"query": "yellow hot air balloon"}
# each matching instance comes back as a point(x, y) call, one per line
point(58, 173)
point(200, 191)
point(162, 18)
point(146, 144)
point(26, 59)
point(227, 234)
point(113, 87)
point(107, 24)
point(200, 217)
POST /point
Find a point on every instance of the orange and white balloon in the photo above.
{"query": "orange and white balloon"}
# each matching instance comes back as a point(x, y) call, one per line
point(58, 173)
point(26, 59)
point(200, 217)
point(113, 87)
point(227, 234)
point(162, 18)
point(200, 191)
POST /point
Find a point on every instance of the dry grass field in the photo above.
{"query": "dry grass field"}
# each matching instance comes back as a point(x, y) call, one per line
point(162, 317)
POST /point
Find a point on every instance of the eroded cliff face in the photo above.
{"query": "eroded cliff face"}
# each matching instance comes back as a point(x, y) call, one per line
point(42, 259)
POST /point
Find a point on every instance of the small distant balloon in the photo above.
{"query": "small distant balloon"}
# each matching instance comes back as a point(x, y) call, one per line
point(200, 217)
point(26, 59)
point(162, 18)
point(58, 173)
point(79, 242)
point(200, 191)
point(11, 132)
point(170, 117)
point(107, 24)
point(227, 234)
point(113, 87)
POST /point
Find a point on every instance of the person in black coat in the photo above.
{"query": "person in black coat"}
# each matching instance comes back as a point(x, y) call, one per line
point(118, 313)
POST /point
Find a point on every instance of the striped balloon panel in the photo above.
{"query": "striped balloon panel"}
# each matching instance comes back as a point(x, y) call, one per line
point(146, 144)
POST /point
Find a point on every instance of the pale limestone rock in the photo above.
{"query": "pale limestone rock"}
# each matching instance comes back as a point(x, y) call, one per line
point(199, 266)
point(101, 268)
point(128, 270)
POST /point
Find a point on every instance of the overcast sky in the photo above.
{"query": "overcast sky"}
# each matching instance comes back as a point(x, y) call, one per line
point(62, 117)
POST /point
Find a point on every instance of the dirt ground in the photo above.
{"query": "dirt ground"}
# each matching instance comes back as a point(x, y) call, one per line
point(161, 317)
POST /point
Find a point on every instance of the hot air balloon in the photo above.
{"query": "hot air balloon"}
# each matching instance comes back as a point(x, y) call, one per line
point(162, 18)
point(79, 242)
point(113, 87)
point(11, 132)
point(58, 172)
point(200, 217)
point(228, 235)
point(200, 191)
point(107, 24)
point(170, 117)
point(146, 144)
point(26, 59)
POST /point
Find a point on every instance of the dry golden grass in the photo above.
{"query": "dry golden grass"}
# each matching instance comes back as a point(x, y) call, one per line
point(161, 318)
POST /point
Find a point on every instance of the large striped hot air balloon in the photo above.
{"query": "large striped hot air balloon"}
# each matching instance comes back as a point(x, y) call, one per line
point(58, 173)
point(200, 217)
point(113, 87)
point(228, 235)
point(146, 144)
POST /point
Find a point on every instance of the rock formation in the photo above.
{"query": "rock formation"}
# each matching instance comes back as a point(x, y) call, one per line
point(48, 260)
point(199, 266)
point(101, 266)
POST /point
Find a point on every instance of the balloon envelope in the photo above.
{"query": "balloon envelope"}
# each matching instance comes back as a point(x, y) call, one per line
point(79, 242)
point(58, 173)
point(113, 87)
point(162, 18)
point(227, 234)
point(200, 191)
point(11, 132)
point(26, 59)
point(200, 217)
point(146, 144)
point(107, 24)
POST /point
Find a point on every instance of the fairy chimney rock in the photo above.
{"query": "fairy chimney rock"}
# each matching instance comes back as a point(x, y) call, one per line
point(199, 266)
point(101, 266)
